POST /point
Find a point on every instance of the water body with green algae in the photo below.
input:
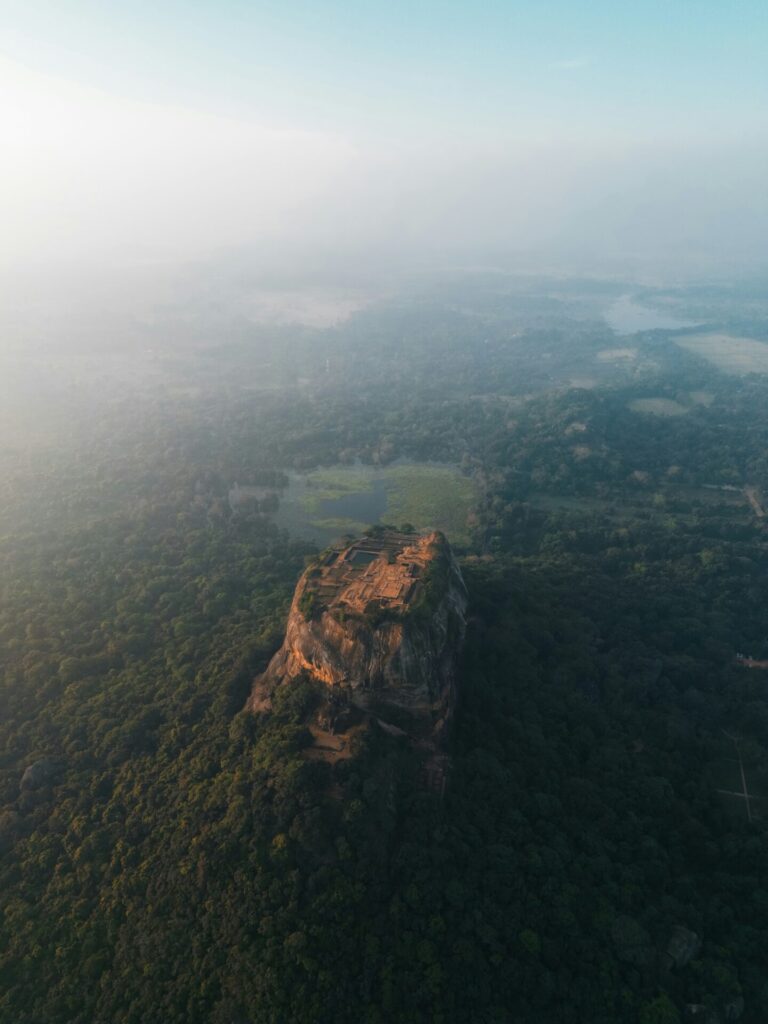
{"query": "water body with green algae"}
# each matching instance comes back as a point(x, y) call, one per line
point(326, 504)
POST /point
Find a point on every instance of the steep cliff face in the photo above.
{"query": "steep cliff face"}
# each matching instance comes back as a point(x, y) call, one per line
point(380, 624)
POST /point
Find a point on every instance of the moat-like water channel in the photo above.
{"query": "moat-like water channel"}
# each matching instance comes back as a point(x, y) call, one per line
point(325, 504)
point(310, 509)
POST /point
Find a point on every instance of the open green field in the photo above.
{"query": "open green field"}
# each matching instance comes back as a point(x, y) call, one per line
point(430, 497)
point(705, 398)
point(727, 352)
point(658, 406)
point(612, 355)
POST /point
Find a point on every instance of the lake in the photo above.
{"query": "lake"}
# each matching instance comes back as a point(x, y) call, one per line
point(627, 317)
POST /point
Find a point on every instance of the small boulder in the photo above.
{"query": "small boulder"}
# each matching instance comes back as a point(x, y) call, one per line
point(684, 945)
point(698, 1013)
point(39, 774)
point(734, 1009)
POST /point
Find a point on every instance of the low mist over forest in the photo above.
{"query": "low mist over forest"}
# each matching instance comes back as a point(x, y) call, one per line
point(596, 452)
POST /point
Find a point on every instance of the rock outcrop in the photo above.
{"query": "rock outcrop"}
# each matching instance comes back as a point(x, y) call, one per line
point(683, 946)
point(39, 774)
point(380, 624)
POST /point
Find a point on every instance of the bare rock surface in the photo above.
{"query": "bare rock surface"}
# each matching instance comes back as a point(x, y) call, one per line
point(41, 773)
point(380, 623)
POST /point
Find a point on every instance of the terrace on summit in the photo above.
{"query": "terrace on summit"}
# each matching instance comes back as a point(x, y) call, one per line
point(386, 569)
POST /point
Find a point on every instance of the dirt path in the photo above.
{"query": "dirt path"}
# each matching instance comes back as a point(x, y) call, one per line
point(753, 498)
point(332, 746)
point(745, 794)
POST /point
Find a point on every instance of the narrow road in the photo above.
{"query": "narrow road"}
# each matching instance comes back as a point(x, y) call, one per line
point(753, 498)
point(745, 792)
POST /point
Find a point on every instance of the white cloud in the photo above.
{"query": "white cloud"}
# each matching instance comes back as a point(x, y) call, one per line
point(83, 172)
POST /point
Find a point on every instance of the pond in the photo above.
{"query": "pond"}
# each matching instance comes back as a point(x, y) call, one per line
point(323, 505)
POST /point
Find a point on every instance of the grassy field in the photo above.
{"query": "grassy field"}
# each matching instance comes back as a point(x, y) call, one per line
point(430, 497)
point(658, 406)
point(705, 398)
point(728, 353)
point(611, 355)
point(339, 526)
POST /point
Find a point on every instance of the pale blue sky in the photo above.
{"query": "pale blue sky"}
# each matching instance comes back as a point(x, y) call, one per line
point(647, 66)
point(180, 127)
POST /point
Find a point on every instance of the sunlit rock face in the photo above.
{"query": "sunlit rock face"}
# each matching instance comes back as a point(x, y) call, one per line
point(380, 624)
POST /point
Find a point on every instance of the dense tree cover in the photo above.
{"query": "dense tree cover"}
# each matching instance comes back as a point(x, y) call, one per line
point(170, 858)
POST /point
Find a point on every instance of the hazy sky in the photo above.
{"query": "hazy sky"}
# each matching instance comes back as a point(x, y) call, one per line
point(168, 129)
